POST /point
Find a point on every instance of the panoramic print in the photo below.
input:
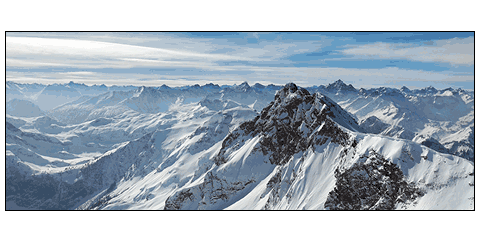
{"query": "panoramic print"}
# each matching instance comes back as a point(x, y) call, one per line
point(239, 121)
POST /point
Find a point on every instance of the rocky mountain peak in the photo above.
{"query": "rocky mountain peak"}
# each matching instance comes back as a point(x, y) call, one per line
point(291, 91)
point(428, 90)
point(294, 121)
point(212, 86)
point(243, 87)
point(145, 90)
point(297, 101)
point(405, 89)
point(258, 86)
point(291, 87)
point(340, 86)
point(244, 84)
point(165, 87)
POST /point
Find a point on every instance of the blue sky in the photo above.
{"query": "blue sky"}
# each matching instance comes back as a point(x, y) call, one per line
point(364, 59)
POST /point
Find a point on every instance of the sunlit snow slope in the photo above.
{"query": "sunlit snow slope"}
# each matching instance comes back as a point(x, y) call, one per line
point(239, 147)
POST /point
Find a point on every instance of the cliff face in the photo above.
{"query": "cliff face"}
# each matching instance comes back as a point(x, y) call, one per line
point(293, 122)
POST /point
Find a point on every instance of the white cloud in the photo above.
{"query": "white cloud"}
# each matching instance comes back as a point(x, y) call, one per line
point(44, 51)
point(34, 52)
point(110, 50)
point(453, 51)
point(92, 56)
point(12, 62)
point(82, 73)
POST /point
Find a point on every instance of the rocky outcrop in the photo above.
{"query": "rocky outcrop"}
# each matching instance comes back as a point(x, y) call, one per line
point(373, 183)
point(212, 191)
point(294, 121)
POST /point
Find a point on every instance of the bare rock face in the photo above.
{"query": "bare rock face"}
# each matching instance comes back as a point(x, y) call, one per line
point(213, 190)
point(373, 183)
point(294, 121)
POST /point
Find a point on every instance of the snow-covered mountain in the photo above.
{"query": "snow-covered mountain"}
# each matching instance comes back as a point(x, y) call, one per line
point(22, 108)
point(119, 104)
point(115, 104)
point(212, 147)
point(295, 153)
point(50, 96)
point(256, 97)
point(41, 149)
point(426, 116)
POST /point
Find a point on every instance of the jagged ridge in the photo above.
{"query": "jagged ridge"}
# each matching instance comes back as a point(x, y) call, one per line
point(294, 121)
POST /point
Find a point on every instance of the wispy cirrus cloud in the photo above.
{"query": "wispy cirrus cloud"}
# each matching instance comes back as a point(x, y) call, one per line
point(454, 51)
point(43, 51)
point(36, 52)
point(163, 47)
point(308, 59)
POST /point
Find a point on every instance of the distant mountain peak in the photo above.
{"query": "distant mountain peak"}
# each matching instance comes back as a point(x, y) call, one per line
point(430, 89)
point(145, 91)
point(244, 84)
point(165, 87)
point(211, 85)
point(340, 85)
point(405, 89)
point(74, 84)
point(426, 90)
point(448, 89)
point(244, 87)
point(258, 86)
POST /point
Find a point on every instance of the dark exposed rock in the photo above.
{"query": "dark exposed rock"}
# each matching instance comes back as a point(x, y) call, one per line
point(273, 186)
point(293, 122)
point(212, 190)
point(275, 179)
point(373, 183)
point(177, 200)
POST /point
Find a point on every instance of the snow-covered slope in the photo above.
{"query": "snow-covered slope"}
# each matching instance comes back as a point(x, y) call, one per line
point(23, 108)
point(256, 97)
point(117, 104)
point(103, 105)
point(82, 150)
point(259, 167)
point(212, 151)
point(50, 96)
point(416, 115)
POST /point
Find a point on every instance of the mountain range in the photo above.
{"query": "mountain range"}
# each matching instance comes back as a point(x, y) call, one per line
point(238, 147)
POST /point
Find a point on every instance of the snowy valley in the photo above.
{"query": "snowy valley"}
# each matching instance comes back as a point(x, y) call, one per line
point(241, 147)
